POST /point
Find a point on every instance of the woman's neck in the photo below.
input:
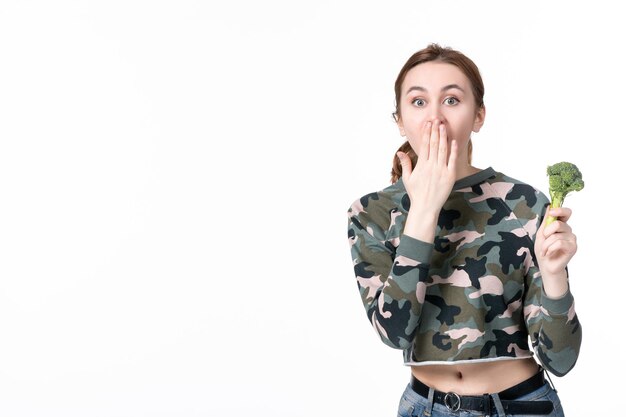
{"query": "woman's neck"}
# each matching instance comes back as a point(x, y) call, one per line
point(465, 171)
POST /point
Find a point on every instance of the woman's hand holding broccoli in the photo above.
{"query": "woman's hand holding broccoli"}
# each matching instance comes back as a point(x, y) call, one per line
point(555, 243)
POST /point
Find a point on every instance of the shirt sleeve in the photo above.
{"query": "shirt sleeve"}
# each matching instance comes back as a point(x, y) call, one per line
point(553, 325)
point(391, 280)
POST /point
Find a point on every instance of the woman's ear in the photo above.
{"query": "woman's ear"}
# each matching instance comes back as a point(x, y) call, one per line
point(398, 120)
point(479, 120)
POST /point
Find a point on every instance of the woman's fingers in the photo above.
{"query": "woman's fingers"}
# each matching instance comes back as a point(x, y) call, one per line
point(443, 145)
point(425, 142)
point(562, 213)
point(435, 146)
point(407, 167)
point(434, 140)
point(557, 226)
point(448, 151)
point(454, 153)
point(559, 243)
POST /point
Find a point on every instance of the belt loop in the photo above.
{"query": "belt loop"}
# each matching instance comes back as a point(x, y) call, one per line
point(487, 405)
point(498, 403)
point(549, 379)
point(431, 398)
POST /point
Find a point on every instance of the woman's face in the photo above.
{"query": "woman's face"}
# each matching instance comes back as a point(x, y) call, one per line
point(437, 90)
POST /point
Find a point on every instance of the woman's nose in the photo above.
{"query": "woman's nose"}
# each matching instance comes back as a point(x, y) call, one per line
point(439, 117)
point(435, 114)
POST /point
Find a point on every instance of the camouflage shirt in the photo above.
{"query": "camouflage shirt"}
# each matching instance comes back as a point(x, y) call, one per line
point(475, 294)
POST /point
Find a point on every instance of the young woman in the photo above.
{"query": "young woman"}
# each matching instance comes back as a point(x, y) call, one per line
point(454, 263)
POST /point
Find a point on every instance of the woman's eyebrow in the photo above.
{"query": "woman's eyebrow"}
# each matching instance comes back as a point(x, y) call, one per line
point(445, 88)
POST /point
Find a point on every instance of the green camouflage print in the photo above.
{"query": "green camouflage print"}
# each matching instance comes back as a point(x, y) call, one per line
point(473, 294)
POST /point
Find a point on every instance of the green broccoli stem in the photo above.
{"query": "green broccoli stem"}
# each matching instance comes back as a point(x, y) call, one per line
point(557, 201)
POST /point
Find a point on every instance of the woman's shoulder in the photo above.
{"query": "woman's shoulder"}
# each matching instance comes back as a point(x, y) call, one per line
point(518, 193)
point(377, 206)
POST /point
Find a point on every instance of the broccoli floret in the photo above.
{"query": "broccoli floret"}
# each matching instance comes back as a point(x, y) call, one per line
point(564, 177)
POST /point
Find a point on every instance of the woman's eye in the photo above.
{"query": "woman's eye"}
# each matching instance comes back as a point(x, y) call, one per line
point(418, 102)
point(451, 100)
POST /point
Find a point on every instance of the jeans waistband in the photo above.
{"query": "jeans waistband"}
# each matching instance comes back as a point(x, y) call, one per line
point(455, 402)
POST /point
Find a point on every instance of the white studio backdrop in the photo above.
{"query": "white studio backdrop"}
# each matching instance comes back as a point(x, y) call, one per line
point(175, 176)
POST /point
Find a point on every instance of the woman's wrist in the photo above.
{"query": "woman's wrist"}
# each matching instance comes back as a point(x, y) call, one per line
point(421, 225)
point(555, 284)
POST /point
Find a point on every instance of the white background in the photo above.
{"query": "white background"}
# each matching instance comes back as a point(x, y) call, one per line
point(175, 176)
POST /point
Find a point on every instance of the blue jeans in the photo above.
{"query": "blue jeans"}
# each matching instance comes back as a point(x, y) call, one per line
point(414, 405)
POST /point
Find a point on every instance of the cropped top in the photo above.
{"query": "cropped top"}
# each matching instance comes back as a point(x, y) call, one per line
point(475, 294)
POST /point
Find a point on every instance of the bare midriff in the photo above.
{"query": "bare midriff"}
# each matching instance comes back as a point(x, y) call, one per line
point(476, 378)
